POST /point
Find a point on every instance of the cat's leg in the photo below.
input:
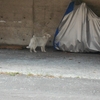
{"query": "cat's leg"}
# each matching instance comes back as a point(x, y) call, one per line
point(31, 50)
point(42, 49)
point(34, 49)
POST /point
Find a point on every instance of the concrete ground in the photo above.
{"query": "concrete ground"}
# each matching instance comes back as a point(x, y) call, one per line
point(50, 64)
point(22, 87)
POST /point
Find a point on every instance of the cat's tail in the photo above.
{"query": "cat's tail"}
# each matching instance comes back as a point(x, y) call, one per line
point(27, 47)
point(30, 42)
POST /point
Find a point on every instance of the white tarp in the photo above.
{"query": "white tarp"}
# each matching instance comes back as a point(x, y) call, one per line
point(79, 31)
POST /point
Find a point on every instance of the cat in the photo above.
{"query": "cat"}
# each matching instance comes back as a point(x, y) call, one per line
point(37, 41)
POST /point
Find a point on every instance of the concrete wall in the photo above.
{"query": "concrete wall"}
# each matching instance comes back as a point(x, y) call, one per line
point(20, 19)
point(16, 21)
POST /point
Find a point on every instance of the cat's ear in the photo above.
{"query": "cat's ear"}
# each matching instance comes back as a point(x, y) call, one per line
point(48, 35)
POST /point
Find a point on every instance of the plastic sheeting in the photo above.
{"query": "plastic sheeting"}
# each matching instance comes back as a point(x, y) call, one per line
point(79, 31)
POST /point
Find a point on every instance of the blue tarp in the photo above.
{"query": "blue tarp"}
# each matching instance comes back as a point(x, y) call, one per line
point(79, 30)
point(69, 9)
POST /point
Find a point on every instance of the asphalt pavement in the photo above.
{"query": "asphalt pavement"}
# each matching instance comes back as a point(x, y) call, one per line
point(54, 75)
point(22, 87)
point(50, 64)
